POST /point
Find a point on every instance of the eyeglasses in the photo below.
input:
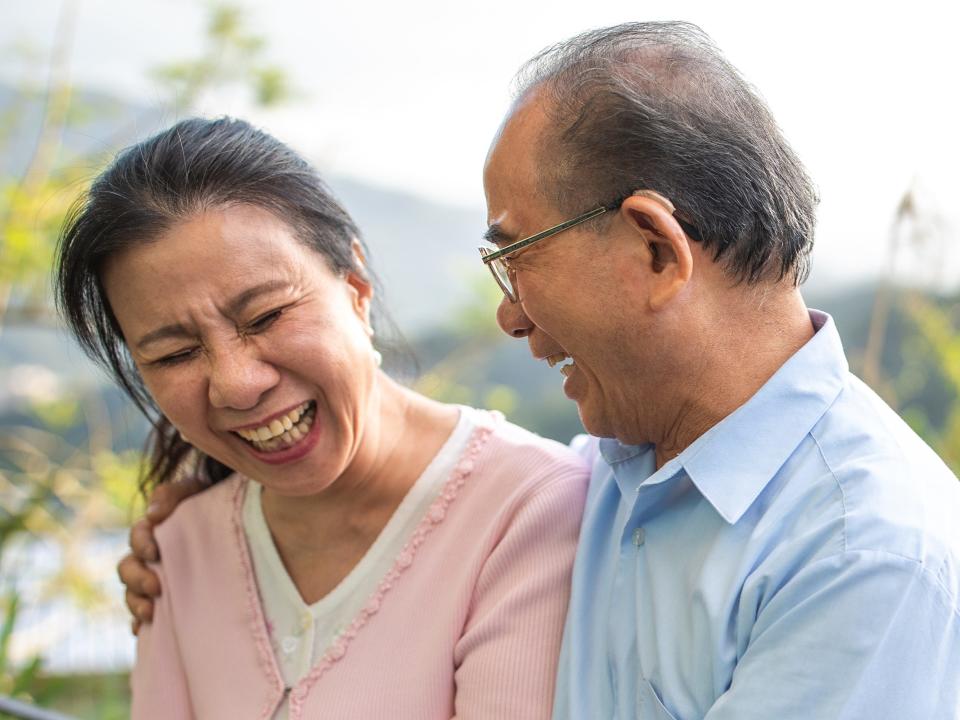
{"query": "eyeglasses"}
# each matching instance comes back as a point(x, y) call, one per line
point(496, 260)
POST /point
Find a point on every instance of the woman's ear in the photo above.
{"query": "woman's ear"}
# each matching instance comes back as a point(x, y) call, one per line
point(670, 260)
point(359, 282)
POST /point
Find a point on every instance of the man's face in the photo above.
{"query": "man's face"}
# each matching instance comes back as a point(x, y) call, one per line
point(572, 287)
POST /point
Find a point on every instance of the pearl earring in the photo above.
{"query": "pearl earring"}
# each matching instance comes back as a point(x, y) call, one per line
point(377, 357)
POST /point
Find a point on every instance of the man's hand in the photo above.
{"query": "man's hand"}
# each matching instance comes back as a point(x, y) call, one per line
point(141, 582)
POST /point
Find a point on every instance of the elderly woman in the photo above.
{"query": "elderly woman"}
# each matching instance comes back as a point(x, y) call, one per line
point(364, 551)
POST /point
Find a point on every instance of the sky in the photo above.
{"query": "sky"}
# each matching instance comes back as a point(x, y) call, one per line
point(408, 95)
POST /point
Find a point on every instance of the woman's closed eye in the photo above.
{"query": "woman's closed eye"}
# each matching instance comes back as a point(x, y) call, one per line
point(176, 358)
point(263, 322)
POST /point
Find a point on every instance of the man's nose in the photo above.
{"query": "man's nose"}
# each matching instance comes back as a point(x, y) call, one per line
point(513, 320)
point(239, 378)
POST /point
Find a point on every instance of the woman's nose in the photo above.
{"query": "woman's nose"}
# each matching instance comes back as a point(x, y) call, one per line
point(239, 378)
point(512, 319)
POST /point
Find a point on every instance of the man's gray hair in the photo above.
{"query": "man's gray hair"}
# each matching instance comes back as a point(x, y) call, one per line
point(656, 106)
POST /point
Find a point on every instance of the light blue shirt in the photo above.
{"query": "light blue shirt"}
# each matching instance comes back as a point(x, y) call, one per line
point(800, 560)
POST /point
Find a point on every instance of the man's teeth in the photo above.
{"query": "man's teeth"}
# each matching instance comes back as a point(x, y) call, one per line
point(284, 431)
point(559, 357)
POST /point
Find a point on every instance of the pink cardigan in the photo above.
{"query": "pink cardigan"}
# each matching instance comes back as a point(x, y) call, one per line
point(466, 624)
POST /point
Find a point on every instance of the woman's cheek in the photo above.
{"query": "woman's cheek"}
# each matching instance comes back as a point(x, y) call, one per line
point(179, 395)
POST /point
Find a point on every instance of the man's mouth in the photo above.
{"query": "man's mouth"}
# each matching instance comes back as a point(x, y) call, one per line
point(560, 357)
point(283, 432)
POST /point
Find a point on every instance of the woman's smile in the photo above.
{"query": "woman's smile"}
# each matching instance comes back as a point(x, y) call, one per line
point(285, 438)
point(282, 430)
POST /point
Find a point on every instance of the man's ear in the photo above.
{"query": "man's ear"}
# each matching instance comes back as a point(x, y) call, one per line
point(360, 284)
point(670, 260)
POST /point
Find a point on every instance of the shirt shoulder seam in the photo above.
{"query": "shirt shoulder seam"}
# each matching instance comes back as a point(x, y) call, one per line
point(843, 497)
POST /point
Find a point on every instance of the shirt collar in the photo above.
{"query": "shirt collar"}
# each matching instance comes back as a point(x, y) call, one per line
point(746, 449)
point(732, 462)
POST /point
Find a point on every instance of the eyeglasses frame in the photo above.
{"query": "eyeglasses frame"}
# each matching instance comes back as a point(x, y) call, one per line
point(489, 256)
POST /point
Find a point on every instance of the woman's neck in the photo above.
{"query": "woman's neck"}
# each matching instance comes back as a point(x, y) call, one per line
point(321, 537)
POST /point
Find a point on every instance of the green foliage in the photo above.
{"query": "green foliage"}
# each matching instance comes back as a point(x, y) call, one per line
point(502, 398)
point(233, 57)
point(17, 679)
point(938, 330)
point(90, 697)
point(57, 413)
point(30, 218)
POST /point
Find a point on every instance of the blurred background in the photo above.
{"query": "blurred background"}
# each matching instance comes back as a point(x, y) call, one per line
point(396, 103)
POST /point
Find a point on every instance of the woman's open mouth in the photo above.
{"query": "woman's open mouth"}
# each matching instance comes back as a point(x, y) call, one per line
point(283, 432)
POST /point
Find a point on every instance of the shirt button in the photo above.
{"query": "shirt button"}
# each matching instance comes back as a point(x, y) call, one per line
point(289, 644)
point(306, 620)
point(638, 537)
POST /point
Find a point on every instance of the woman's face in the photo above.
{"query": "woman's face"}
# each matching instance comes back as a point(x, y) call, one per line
point(250, 344)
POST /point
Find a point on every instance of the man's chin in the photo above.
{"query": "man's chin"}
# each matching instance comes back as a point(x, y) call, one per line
point(594, 422)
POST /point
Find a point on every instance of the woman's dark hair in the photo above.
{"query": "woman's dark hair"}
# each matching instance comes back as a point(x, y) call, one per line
point(194, 165)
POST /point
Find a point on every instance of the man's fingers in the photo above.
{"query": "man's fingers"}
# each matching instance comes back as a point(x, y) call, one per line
point(138, 578)
point(141, 582)
point(139, 607)
point(167, 496)
point(142, 541)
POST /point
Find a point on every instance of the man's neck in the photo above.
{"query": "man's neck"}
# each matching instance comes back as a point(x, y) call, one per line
point(743, 348)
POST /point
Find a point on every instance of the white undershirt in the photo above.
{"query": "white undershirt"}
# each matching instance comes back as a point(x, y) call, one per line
point(299, 633)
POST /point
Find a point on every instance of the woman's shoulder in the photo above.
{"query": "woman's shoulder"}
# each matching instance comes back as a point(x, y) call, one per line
point(510, 455)
point(506, 438)
point(201, 518)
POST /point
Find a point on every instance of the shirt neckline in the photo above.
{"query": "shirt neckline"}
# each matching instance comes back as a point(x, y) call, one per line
point(733, 461)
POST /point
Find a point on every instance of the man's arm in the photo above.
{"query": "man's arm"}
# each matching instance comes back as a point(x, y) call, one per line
point(863, 634)
point(142, 584)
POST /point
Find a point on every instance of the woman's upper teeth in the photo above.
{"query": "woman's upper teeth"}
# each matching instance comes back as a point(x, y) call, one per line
point(276, 426)
point(556, 357)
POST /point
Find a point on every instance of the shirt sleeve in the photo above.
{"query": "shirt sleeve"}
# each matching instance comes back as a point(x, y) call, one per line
point(506, 659)
point(158, 682)
point(858, 635)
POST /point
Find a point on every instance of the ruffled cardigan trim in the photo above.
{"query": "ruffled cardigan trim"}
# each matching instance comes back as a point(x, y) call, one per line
point(433, 517)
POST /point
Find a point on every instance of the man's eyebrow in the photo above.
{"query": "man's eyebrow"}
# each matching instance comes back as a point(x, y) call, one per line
point(234, 307)
point(496, 235)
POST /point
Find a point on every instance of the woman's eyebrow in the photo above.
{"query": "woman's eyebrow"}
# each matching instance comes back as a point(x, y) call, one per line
point(238, 303)
point(163, 333)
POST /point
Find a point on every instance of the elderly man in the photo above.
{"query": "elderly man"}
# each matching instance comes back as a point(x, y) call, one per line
point(763, 537)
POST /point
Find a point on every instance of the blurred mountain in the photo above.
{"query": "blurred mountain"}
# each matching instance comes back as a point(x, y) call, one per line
point(423, 253)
